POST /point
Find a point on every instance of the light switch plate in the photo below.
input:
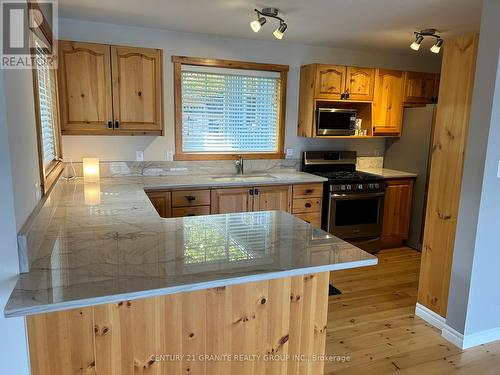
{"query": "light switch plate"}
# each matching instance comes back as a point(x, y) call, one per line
point(498, 170)
point(289, 153)
point(170, 155)
point(139, 156)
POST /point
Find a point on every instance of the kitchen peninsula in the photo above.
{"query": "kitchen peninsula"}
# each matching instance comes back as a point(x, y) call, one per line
point(111, 287)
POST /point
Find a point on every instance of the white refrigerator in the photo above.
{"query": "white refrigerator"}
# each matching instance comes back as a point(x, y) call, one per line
point(411, 153)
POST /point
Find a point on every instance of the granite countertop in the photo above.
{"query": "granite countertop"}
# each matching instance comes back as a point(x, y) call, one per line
point(84, 248)
point(279, 177)
point(388, 173)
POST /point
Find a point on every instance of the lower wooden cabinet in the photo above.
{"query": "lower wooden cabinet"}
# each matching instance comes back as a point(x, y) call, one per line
point(397, 212)
point(272, 198)
point(162, 202)
point(226, 201)
point(303, 200)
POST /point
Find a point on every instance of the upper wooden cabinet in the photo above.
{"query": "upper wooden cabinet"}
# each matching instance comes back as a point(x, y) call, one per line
point(85, 87)
point(387, 108)
point(110, 89)
point(360, 83)
point(137, 88)
point(420, 87)
point(330, 81)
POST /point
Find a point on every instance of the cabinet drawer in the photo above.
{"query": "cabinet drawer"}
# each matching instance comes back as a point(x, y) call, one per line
point(308, 191)
point(307, 205)
point(313, 218)
point(187, 198)
point(190, 211)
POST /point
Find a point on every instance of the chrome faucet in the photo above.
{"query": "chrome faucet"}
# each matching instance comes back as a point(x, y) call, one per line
point(239, 165)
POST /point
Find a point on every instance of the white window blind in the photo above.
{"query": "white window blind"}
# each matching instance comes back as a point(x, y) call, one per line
point(228, 110)
point(46, 98)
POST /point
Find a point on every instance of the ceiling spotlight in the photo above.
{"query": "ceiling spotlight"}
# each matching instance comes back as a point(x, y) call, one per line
point(257, 24)
point(437, 46)
point(419, 37)
point(261, 20)
point(278, 33)
point(416, 44)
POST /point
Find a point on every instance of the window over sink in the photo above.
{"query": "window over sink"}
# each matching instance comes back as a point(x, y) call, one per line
point(229, 108)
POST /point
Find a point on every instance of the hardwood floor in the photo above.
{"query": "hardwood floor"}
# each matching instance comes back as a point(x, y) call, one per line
point(373, 323)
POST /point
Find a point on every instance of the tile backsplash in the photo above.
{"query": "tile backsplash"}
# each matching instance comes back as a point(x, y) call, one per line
point(370, 162)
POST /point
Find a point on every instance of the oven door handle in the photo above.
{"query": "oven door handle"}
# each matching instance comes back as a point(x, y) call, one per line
point(357, 196)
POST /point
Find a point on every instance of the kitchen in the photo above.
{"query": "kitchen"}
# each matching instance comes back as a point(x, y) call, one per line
point(150, 167)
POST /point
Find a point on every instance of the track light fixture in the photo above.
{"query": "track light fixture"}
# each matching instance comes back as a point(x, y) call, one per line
point(419, 37)
point(261, 20)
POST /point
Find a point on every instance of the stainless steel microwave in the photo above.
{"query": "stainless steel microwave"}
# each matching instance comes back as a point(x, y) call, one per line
point(335, 121)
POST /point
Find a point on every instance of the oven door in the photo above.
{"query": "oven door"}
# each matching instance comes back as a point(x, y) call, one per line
point(356, 215)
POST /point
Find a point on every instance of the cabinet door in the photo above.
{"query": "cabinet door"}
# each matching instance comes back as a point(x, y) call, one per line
point(85, 88)
point(330, 81)
point(162, 202)
point(272, 198)
point(388, 102)
point(360, 82)
point(137, 90)
point(397, 212)
point(419, 87)
point(225, 201)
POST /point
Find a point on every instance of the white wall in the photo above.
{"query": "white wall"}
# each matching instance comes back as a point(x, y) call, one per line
point(19, 100)
point(474, 298)
point(201, 45)
point(13, 351)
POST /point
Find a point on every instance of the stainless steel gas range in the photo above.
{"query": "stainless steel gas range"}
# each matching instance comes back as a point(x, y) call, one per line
point(353, 204)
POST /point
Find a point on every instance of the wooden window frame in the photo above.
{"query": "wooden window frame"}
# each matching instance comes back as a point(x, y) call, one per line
point(48, 174)
point(178, 61)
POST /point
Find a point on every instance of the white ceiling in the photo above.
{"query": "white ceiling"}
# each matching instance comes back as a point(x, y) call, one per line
point(387, 24)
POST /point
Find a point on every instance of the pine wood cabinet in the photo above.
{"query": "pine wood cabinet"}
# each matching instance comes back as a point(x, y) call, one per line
point(330, 81)
point(360, 83)
point(272, 198)
point(303, 200)
point(162, 202)
point(378, 95)
point(110, 90)
point(420, 87)
point(85, 88)
point(387, 109)
point(225, 201)
point(260, 198)
point(397, 212)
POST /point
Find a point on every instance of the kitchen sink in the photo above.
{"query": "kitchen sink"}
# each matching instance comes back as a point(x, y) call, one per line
point(243, 178)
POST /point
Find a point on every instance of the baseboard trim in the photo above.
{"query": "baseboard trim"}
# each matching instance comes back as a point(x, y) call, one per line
point(453, 336)
point(430, 316)
point(469, 341)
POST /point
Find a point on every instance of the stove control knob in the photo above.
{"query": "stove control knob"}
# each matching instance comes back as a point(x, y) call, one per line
point(342, 187)
point(377, 186)
point(349, 187)
point(360, 187)
point(371, 186)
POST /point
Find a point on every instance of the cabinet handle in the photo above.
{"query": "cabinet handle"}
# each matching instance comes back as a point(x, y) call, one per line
point(308, 205)
point(309, 191)
point(250, 191)
point(117, 124)
point(256, 191)
point(190, 198)
point(191, 215)
point(110, 125)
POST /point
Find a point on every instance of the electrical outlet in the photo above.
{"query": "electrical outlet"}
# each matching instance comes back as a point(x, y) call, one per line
point(38, 191)
point(289, 153)
point(139, 156)
point(170, 155)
